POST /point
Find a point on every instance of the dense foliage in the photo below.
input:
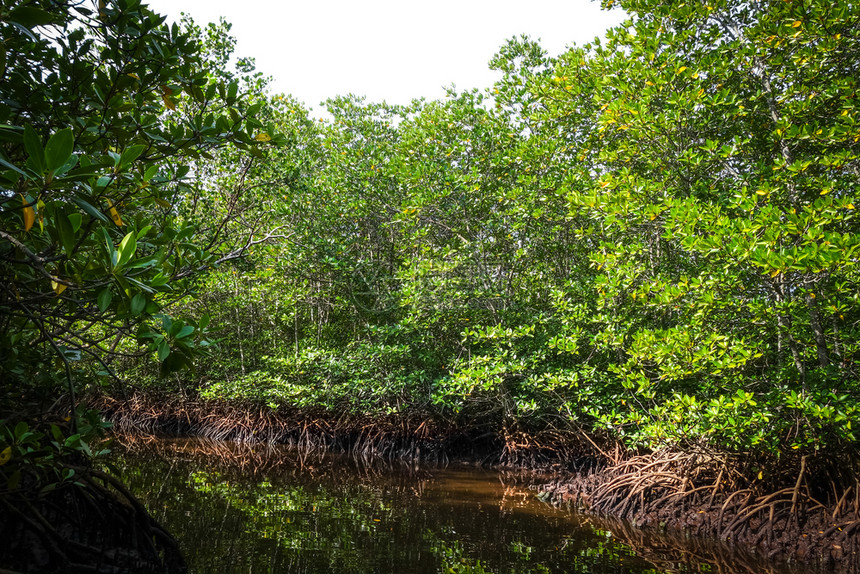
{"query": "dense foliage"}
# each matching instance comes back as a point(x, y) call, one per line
point(104, 111)
point(651, 237)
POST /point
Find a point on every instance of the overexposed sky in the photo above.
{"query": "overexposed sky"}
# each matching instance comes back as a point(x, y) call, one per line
point(392, 50)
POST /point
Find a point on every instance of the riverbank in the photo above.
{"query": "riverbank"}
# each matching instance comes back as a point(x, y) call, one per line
point(416, 436)
point(786, 518)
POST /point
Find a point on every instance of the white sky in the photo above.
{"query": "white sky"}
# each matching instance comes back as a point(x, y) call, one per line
point(388, 49)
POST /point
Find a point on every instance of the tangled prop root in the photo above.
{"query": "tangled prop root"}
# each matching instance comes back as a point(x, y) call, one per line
point(701, 494)
point(403, 436)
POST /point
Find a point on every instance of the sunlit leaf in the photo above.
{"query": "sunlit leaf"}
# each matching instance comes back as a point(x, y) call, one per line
point(114, 214)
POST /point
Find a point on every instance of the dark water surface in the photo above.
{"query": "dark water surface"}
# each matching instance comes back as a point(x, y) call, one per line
point(237, 509)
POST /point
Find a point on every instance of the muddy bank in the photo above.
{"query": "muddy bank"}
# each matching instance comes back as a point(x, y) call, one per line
point(696, 494)
point(704, 496)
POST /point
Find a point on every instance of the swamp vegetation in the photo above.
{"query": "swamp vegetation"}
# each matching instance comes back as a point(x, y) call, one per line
point(636, 259)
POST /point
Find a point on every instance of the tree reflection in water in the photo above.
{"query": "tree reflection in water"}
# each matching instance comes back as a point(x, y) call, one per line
point(241, 508)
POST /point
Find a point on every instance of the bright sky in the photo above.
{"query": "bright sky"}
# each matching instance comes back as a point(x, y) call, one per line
point(392, 50)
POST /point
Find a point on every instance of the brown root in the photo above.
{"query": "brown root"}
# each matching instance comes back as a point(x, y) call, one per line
point(704, 494)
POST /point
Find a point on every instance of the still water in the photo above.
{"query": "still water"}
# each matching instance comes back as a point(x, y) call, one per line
point(241, 509)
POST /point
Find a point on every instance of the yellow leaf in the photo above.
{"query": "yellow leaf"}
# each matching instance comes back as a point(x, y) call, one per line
point(263, 137)
point(849, 206)
point(41, 206)
point(29, 214)
point(133, 75)
point(163, 203)
point(761, 192)
point(796, 24)
point(760, 475)
point(775, 273)
point(6, 455)
point(681, 69)
point(114, 214)
point(57, 287)
point(824, 192)
point(812, 295)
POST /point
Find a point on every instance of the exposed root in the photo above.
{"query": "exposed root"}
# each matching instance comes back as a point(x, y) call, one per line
point(412, 436)
point(702, 494)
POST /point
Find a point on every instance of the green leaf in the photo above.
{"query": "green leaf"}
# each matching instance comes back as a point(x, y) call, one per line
point(76, 219)
point(127, 248)
point(111, 250)
point(130, 154)
point(176, 327)
point(104, 299)
point(20, 429)
point(92, 211)
point(66, 232)
point(138, 303)
point(33, 145)
point(12, 167)
point(185, 331)
point(66, 167)
point(59, 149)
point(30, 17)
point(163, 350)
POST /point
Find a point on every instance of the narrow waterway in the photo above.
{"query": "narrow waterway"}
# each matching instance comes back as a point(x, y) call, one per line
point(241, 509)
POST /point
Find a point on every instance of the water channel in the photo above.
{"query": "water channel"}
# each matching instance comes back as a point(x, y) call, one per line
point(241, 509)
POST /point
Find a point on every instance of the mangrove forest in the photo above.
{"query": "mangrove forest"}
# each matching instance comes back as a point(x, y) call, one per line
point(631, 267)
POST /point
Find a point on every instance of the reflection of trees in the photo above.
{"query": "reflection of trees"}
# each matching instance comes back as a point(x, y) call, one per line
point(252, 461)
point(268, 509)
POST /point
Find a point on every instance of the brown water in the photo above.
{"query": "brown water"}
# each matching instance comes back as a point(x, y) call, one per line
point(237, 509)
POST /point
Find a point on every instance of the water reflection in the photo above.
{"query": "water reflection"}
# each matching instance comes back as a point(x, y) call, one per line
point(236, 508)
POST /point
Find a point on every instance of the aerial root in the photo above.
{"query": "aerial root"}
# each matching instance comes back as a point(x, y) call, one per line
point(706, 494)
